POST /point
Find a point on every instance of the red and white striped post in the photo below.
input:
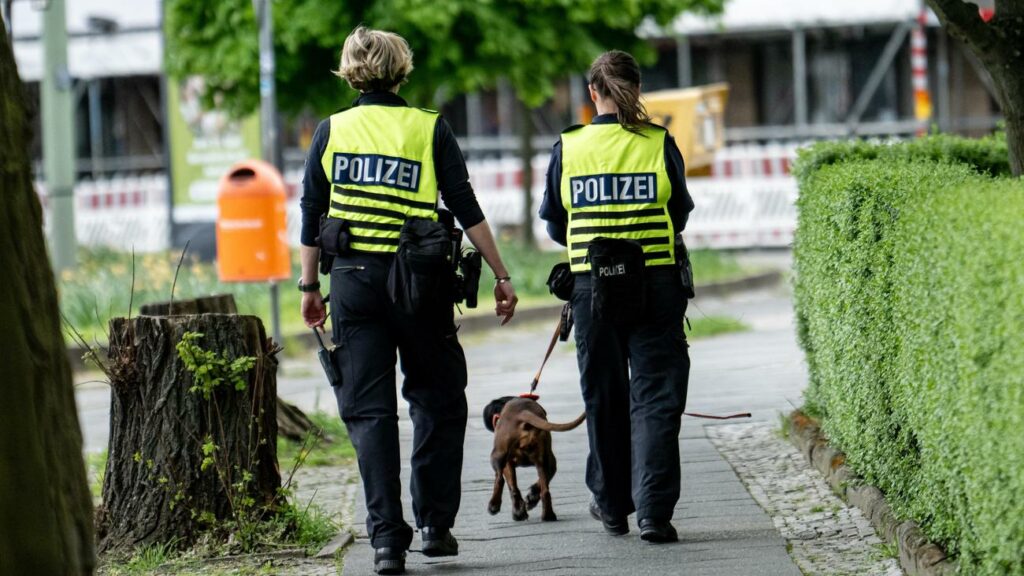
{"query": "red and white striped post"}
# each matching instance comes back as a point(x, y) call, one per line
point(919, 73)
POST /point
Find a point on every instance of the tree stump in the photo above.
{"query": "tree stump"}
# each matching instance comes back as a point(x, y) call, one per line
point(292, 422)
point(155, 488)
point(216, 304)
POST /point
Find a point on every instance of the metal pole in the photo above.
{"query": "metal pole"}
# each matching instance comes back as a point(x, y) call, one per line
point(577, 97)
point(882, 67)
point(5, 8)
point(58, 139)
point(684, 62)
point(800, 77)
point(474, 118)
point(95, 128)
point(268, 125)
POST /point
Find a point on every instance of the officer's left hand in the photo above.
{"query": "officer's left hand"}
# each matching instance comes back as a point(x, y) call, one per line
point(314, 312)
point(505, 300)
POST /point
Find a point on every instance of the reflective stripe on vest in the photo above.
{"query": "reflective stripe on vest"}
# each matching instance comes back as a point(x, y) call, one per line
point(380, 163)
point(615, 185)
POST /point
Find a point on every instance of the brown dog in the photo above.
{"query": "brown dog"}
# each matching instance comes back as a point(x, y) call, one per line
point(522, 437)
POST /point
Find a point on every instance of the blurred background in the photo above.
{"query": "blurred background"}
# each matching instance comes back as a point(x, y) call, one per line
point(150, 141)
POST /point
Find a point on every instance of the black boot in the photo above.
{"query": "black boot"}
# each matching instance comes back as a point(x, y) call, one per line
point(389, 561)
point(613, 526)
point(657, 531)
point(439, 542)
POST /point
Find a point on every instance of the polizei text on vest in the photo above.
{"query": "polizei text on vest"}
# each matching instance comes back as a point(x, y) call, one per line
point(376, 170)
point(603, 189)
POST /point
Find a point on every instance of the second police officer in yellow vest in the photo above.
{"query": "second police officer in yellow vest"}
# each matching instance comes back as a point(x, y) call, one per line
point(371, 169)
point(616, 197)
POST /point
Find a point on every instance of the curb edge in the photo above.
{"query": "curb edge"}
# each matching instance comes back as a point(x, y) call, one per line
point(917, 555)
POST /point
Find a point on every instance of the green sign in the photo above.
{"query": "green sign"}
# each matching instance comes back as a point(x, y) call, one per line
point(204, 143)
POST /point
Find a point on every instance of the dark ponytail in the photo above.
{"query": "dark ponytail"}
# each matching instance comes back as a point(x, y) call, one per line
point(616, 75)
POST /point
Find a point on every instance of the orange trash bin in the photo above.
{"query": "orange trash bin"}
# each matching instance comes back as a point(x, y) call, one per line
point(252, 224)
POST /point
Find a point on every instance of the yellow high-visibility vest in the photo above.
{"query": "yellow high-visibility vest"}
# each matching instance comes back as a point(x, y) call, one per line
point(380, 163)
point(615, 185)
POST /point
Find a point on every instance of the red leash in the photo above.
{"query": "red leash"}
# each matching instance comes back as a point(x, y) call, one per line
point(713, 417)
point(551, 348)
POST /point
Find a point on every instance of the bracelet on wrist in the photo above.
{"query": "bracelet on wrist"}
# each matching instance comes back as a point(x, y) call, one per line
point(501, 279)
point(306, 288)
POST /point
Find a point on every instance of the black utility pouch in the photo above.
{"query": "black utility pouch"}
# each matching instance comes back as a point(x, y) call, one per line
point(561, 281)
point(326, 357)
point(470, 265)
point(333, 241)
point(421, 273)
point(617, 280)
point(685, 269)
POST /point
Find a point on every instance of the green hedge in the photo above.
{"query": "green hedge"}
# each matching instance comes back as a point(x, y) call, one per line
point(909, 293)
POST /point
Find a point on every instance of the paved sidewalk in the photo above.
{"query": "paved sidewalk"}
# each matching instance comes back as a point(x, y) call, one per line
point(722, 529)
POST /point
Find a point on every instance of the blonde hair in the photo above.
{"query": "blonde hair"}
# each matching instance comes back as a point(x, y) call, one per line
point(374, 60)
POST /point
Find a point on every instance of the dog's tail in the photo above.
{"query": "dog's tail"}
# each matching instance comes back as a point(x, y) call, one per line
point(539, 422)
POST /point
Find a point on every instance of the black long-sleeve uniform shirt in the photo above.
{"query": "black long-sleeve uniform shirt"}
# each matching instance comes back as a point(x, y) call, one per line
point(551, 209)
point(449, 167)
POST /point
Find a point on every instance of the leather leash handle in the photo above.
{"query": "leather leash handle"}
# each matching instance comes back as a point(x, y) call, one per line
point(547, 355)
point(713, 417)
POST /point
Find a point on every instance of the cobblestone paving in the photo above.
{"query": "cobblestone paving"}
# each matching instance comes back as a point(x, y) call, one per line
point(825, 536)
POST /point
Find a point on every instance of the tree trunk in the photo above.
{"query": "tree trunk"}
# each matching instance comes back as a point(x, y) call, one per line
point(155, 488)
point(292, 423)
point(526, 158)
point(999, 45)
point(45, 504)
point(1010, 86)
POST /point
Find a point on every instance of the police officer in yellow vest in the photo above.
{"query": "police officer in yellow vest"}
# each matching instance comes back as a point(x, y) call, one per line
point(371, 169)
point(616, 197)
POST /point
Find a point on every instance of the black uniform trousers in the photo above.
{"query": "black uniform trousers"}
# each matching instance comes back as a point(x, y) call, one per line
point(634, 381)
point(368, 329)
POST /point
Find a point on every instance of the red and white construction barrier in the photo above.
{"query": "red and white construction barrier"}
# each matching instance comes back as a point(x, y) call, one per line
point(749, 201)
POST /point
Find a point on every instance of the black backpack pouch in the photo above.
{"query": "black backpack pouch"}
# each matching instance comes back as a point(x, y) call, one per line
point(617, 280)
point(333, 241)
point(685, 269)
point(561, 281)
point(421, 273)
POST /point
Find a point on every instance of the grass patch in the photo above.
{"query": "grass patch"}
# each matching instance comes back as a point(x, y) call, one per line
point(96, 467)
point(334, 449)
point(100, 287)
point(708, 326)
point(715, 266)
point(785, 426)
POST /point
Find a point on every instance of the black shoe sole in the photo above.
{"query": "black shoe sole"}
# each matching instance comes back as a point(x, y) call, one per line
point(389, 567)
point(438, 551)
point(610, 530)
point(656, 537)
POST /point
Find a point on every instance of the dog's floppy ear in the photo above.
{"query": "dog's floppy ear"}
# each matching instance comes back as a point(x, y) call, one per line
point(493, 409)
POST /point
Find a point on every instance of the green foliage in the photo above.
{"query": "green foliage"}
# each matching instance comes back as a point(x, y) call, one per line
point(459, 45)
point(102, 286)
point(708, 326)
point(909, 305)
point(210, 370)
point(96, 468)
point(986, 155)
point(331, 448)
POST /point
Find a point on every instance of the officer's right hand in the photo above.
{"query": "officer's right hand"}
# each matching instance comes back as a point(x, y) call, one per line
point(505, 300)
point(314, 312)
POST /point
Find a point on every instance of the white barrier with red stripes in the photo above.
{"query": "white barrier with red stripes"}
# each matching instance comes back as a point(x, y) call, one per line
point(123, 213)
point(748, 201)
point(750, 212)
